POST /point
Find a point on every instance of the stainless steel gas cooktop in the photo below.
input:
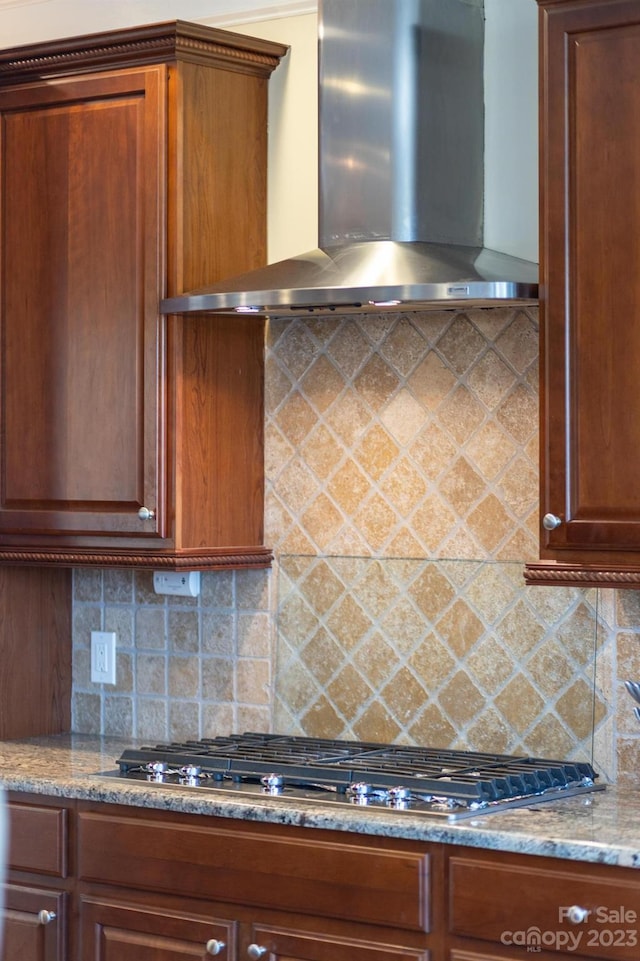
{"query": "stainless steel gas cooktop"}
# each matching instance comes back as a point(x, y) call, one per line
point(380, 777)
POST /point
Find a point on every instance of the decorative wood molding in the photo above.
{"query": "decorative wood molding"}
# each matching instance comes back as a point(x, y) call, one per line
point(228, 559)
point(568, 575)
point(140, 46)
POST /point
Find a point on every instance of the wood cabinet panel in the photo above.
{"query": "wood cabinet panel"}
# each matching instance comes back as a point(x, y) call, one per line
point(289, 871)
point(590, 243)
point(155, 141)
point(305, 946)
point(525, 901)
point(27, 936)
point(35, 639)
point(81, 201)
point(112, 930)
point(38, 839)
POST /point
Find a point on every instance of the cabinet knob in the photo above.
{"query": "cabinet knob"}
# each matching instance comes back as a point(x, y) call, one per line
point(215, 947)
point(551, 521)
point(46, 917)
point(256, 951)
point(576, 914)
point(145, 514)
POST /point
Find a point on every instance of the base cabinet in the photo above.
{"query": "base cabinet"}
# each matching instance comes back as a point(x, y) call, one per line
point(103, 882)
point(34, 924)
point(115, 931)
point(511, 906)
point(150, 882)
point(36, 910)
point(119, 931)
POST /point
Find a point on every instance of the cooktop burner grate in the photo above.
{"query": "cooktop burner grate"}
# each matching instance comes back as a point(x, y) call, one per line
point(410, 778)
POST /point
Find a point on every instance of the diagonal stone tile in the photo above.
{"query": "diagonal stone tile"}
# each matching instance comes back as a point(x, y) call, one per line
point(321, 384)
point(518, 343)
point(461, 345)
point(403, 417)
point(403, 346)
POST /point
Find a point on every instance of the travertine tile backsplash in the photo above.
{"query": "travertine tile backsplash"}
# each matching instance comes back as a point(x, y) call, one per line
point(401, 501)
point(404, 436)
point(449, 653)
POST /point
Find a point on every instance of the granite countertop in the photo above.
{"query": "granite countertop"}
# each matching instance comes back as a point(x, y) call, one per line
point(602, 827)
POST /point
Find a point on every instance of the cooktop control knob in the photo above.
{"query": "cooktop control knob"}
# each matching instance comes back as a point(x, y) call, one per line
point(360, 792)
point(398, 796)
point(272, 783)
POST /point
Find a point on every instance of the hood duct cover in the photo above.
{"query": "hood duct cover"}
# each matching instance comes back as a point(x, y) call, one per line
point(401, 172)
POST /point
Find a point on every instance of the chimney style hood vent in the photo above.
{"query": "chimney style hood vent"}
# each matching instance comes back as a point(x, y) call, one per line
point(401, 171)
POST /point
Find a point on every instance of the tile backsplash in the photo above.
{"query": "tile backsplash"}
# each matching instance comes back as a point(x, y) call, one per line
point(449, 653)
point(404, 436)
point(401, 502)
point(186, 667)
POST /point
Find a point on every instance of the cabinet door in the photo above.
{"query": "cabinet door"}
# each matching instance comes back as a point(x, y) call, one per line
point(116, 931)
point(34, 924)
point(81, 237)
point(590, 391)
point(291, 945)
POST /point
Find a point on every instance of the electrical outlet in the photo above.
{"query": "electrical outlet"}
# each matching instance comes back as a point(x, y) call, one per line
point(103, 657)
point(182, 583)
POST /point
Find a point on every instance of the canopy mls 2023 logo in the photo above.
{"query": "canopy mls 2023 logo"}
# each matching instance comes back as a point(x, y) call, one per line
point(580, 928)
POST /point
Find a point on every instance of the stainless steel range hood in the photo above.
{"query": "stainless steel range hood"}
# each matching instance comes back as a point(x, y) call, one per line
point(401, 211)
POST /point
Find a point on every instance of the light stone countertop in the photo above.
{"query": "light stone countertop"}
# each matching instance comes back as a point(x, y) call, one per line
point(600, 827)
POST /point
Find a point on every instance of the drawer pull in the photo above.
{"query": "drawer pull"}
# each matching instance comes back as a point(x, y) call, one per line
point(576, 914)
point(256, 951)
point(215, 947)
point(46, 917)
point(145, 514)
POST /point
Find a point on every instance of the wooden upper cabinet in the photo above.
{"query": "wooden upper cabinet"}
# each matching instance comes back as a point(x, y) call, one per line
point(132, 167)
point(590, 292)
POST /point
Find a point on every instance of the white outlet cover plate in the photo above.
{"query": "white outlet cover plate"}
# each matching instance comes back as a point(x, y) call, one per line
point(103, 657)
point(180, 583)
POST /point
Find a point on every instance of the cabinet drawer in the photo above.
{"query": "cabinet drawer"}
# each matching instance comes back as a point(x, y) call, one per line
point(283, 943)
point(526, 905)
point(244, 865)
point(38, 839)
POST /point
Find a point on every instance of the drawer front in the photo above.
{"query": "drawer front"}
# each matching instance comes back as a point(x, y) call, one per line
point(590, 910)
point(317, 946)
point(113, 931)
point(247, 866)
point(38, 839)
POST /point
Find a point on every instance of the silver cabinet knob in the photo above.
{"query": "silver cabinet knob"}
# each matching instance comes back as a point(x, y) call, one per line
point(576, 915)
point(145, 514)
point(256, 951)
point(215, 947)
point(46, 917)
point(551, 521)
